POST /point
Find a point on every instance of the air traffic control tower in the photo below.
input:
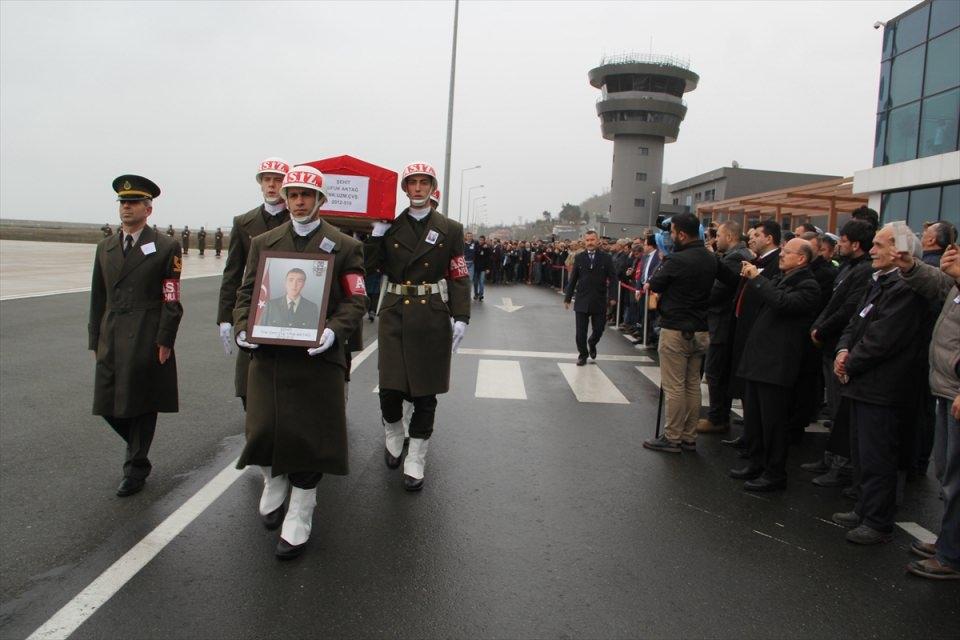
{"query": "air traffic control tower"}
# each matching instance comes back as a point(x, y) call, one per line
point(640, 109)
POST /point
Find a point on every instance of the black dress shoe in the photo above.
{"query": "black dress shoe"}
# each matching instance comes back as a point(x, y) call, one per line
point(412, 484)
point(287, 551)
point(593, 352)
point(746, 473)
point(582, 360)
point(736, 443)
point(392, 461)
point(273, 519)
point(763, 484)
point(130, 486)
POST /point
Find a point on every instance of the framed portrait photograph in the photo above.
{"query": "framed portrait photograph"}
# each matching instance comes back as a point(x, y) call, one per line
point(292, 291)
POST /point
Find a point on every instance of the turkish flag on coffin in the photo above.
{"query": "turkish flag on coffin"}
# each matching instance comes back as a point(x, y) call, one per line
point(357, 190)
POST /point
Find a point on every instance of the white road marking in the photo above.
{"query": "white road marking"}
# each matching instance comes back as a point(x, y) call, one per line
point(590, 384)
point(500, 379)
point(65, 621)
point(43, 294)
point(508, 305)
point(376, 389)
point(550, 355)
point(918, 532)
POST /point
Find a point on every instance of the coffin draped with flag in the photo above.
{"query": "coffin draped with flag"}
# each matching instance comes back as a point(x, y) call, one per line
point(358, 193)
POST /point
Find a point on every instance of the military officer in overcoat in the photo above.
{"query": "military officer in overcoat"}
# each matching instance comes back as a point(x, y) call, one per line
point(296, 426)
point(134, 315)
point(423, 316)
point(269, 215)
point(218, 241)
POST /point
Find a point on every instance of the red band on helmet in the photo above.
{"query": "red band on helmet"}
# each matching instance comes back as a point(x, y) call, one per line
point(274, 165)
point(458, 268)
point(171, 290)
point(353, 285)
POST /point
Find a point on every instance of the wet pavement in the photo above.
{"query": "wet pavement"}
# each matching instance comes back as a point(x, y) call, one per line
point(542, 516)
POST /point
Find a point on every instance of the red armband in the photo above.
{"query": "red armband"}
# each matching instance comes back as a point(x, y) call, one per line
point(171, 290)
point(353, 285)
point(458, 268)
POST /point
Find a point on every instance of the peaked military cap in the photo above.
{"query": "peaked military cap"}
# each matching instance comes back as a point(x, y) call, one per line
point(131, 187)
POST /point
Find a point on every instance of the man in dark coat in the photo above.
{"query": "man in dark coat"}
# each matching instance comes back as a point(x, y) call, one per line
point(879, 353)
point(481, 267)
point(218, 241)
point(269, 215)
point(854, 243)
point(772, 362)
point(765, 244)
point(720, 325)
point(201, 240)
point(170, 231)
point(134, 315)
point(185, 239)
point(592, 287)
point(296, 427)
point(423, 316)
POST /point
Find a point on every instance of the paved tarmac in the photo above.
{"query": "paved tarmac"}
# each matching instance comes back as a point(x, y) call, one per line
point(541, 516)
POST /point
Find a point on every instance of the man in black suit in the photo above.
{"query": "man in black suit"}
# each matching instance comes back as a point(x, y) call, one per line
point(772, 362)
point(590, 283)
point(292, 309)
point(765, 244)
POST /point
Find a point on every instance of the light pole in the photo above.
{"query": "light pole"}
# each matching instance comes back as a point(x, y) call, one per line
point(460, 210)
point(453, 75)
point(470, 207)
point(470, 195)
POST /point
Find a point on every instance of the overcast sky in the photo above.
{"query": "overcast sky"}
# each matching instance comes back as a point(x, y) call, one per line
point(194, 95)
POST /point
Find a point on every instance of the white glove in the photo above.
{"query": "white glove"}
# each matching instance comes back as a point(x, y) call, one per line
point(242, 341)
point(327, 338)
point(226, 331)
point(459, 329)
point(380, 228)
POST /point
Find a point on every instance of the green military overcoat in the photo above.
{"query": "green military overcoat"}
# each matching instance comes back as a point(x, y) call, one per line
point(134, 307)
point(415, 334)
point(245, 227)
point(296, 410)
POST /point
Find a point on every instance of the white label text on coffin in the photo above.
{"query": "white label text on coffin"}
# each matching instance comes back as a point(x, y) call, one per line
point(346, 193)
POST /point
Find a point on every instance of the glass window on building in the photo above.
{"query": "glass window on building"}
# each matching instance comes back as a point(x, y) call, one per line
point(944, 15)
point(902, 129)
point(950, 203)
point(938, 123)
point(924, 207)
point(943, 63)
point(881, 136)
point(893, 206)
point(906, 78)
point(911, 29)
point(641, 177)
point(883, 100)
point(644, 151)
point(639, 202)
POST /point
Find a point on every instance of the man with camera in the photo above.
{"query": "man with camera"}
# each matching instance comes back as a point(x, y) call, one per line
point(684, 281)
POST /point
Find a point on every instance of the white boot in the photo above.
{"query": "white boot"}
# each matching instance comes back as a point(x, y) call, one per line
point(394, 437)
point(299, 520)
point(413, 464)
point(407, 415)
point(274, 491)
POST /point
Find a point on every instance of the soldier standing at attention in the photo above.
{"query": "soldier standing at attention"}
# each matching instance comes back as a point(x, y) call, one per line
point(170, 231)
point(269, 215)
point(185, 238)
point(296, 427)
point(423, 316)
point(201, 240)
point(218, 241)
point(134, 315)
point(107, 230)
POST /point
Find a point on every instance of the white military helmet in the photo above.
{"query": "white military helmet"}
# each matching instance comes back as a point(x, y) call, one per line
point(435, 197)
point(277, 166)
point(418, 169)
point(306, 177)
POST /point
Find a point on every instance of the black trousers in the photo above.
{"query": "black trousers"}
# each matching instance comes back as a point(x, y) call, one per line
point(598, 320)
point(766, 408)
point(806, 401)
point(876, 435)
point(840, 437)
point(717, 372)
point(304, 479)
point(138, 433)
point(424, 411)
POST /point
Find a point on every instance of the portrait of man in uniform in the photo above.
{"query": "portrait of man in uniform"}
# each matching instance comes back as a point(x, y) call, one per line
point(294, 316)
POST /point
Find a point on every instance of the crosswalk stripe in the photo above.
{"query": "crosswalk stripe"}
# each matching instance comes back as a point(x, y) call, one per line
point(590, 384)
point(550, 355)
point(500, 379)
point(918, 532)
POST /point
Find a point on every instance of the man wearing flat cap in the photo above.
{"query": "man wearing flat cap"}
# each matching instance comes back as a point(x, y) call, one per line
point(134, 315)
